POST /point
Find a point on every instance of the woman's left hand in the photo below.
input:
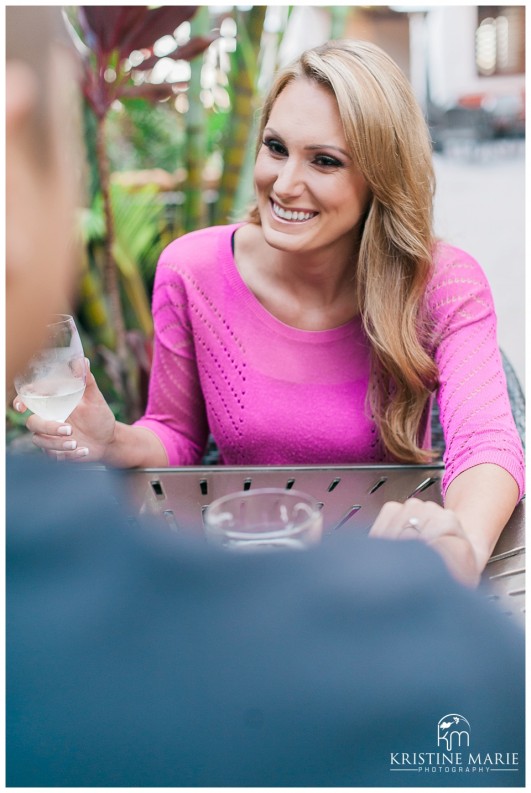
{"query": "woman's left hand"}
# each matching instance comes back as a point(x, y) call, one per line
point(437, 527)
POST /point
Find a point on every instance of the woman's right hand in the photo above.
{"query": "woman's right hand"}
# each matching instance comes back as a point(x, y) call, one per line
point(85, 436)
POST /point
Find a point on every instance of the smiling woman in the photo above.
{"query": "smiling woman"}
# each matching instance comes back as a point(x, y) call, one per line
point(307, 185)
point(320, 330)
point(377, 190)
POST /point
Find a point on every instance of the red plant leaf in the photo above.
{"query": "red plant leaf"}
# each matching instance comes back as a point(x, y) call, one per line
point(106, 26)
point(150, 91)
point(124, 29)
point(147, 64)
point(157, 22)
point(188, 51)
point(194, 47)
point(93, 91)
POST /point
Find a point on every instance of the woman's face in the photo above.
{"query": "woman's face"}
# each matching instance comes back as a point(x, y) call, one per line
point(310, 193)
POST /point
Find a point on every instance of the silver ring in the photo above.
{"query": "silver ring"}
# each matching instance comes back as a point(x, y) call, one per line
point(413, 523)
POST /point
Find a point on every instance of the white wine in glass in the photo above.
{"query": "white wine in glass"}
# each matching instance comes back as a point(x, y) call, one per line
point(53, 382)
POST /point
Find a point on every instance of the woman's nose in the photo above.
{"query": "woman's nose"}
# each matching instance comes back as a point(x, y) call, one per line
point(290, 179)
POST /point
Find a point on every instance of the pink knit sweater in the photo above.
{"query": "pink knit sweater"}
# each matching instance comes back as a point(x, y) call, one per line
point(272, 394)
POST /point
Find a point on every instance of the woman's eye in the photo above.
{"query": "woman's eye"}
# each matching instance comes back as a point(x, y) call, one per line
point(274, 146)
point(326, 161)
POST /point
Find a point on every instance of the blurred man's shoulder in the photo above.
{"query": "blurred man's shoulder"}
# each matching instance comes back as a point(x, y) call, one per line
point(43, 494)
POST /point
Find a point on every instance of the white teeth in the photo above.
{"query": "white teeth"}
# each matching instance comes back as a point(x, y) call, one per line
point(287, 214)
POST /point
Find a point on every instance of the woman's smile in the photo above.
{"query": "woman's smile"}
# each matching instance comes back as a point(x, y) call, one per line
point(292, 215)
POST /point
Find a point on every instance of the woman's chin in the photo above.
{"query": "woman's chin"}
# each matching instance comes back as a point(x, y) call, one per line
point(284, 241)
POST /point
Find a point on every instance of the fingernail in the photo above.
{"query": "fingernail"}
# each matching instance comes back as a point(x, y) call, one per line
point(18, 406)
point(82, 452)
point(65, 430)
point(69, 444)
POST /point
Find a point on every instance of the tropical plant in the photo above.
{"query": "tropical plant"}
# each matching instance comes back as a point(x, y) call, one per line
point(239, 132)
point(194, 216)
point(110, 36)
point(140, 233)
point(142, 135)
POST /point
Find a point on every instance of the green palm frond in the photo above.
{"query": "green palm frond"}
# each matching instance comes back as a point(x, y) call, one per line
point(139, 218)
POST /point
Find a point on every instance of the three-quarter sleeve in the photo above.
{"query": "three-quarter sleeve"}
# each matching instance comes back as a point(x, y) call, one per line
point(175, 410)
point(474, 405)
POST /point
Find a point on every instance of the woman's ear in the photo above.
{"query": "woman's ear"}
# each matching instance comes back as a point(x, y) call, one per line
point(21, 99)
point(21, 94)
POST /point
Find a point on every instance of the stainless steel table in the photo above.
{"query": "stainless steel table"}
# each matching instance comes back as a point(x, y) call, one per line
point(350, 498)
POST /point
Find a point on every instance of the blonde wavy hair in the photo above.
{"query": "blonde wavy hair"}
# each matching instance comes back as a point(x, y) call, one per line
point(388, 139)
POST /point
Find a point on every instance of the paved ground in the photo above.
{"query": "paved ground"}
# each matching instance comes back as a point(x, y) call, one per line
point(479, 207)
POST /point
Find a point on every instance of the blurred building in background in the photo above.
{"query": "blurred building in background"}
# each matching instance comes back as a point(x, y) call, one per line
point(466, 63)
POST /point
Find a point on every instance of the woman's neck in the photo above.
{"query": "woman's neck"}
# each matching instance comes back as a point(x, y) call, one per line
point(315, 290)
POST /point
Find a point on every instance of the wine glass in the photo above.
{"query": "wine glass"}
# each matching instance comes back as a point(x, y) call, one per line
point(264, 519)
point(53, 382)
